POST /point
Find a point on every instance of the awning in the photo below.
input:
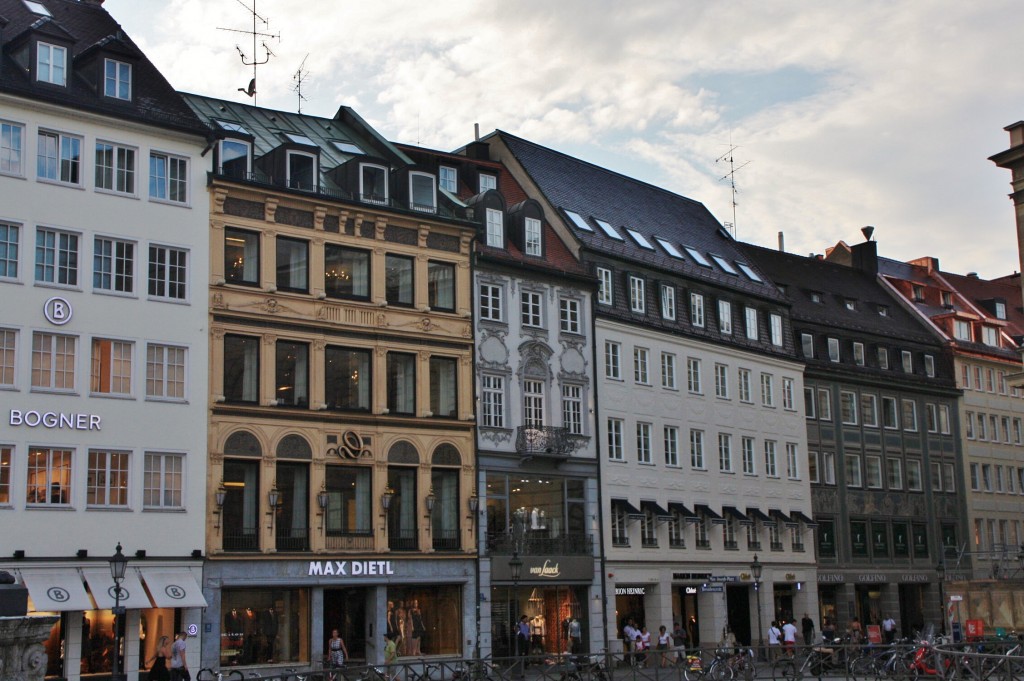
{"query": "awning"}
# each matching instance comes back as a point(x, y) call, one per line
point(629, 508)
point(56, 590)
point(173, 588)
point(686, 513)
point(704, 510)
point(800, 517)
point(655, 510)
point(779, 515)
point(737, 515)
point(758, 514)
point(101, 585)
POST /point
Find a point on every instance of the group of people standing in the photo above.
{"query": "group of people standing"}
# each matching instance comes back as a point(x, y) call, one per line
point(169, 662)
point(669, 647)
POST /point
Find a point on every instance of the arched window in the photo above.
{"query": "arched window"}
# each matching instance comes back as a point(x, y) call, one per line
point(242, 443)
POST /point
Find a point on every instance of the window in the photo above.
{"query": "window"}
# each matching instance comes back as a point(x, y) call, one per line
point(915, 481)
point(725, 317)
point(49, 477)
point(168, 178)
point(883, 358)
point(809, 405)
point(572, 409)
point(373, 183)
point(533, 404)
point(907, 362)
point(488, 182)
point(890, 417)
point(982, 427)
point(495, 235)
point(965, 376)
point(909, 415)
point(747, 454)
point(569, 315)
point(700, 535)
point(56, 257)
point(443, 387)
point(113, 265)
point(824, 404)
point(671, 446)
point(422, 193)
point(615, 440)
point(869, 410)
point(833, 349)
point(640, 362)
point(858, 353)
point(492, 299)
point(612, 360)
point(5, 475)
point(291, 374)
point(8, 339)
point(115, 168)
point(725, 452)
point(11, 136)
point(807, 344)
point(9, 238)
point(792, 461)
point(979, 381)
point(929, 366)
point(346, 272)
point(931, 417)
point(990, 382)
point(961, 330)
point(604, 290)
point(448, 179)
point(242, 259)
point(165, 372)
point(620, 533)
point(163, 475)
point(949, 480)
point(648, 531)
point(788, 394)
point(107, 480)
point(350, 503)
point(722, 381)
point(117, 79)
point(853, 473)
point(936, 474)
point(894, 473)
point(776, 329)
point(729, 533)
point(668, 302)
point(697, 309)
point(292, 265)
point(767, 390)
point(401, 383)
point(848, 407)
point(693, 383)
point(751, 318)
point(59, 158)
point(744, 385)
point(668, 371)
point(532, 236)
point(828, 468)
point(241, 369)
point(441, 286)
point(168, 272)
point(873, 472)
point(530, 308)
point(643, 443)
point(51, 64)
point(812, 467)
point(398, 280)
point(771, 468)
point(637, 300)
point(1017, 430)
point(676, 540)
point(53, 361)
point(697, 449)
point(111, 367)
point(492, 399)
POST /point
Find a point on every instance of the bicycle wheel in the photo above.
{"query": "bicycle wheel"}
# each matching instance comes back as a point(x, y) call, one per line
point(786, 670)
point(720, 671)
point(746, 669)
point(863, 668)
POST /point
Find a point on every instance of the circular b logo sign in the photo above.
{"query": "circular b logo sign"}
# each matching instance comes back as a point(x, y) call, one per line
point(174, 591)
point(58, 594)
point(57, 311)
point(113, 593)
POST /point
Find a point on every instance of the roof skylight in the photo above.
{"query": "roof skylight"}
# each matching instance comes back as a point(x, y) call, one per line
point(724, 264)
point(697, 256)
point(609, 230)
point(640, 239)
point(233, 127)
point(578, 220)
point(299, 139)
point(749, 272)
point(37, 8)
point(669, 247)
point(346, 147)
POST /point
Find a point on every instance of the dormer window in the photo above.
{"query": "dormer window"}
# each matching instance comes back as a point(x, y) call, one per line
point(947, 299)
point(990, 336)
point(235, 160)
point(449, 179)
point(532, 235)
point(962, 330)
point(488, 182)
point(1000, 310)
point(302, 173)
point(51, 64)
point(422, 191)
point(117, 79)
point(373, 183)
point(918, 293)
point(495, 228)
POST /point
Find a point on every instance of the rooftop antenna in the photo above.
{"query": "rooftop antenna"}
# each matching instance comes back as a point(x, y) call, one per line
point(254, 62)
point(727, 157)
point(300, 78)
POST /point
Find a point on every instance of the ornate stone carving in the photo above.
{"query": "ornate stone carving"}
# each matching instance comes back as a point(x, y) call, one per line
point(270, 210)
point(573, 363)
point(22, 655)
point(219, 195)
point(217, 300)
point(498, 436)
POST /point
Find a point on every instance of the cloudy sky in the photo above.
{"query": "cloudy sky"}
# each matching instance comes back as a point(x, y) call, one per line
point(845, 113)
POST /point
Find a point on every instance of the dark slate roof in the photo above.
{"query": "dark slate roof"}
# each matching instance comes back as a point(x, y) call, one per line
point(837, 283)
point(90, 29)
point(594, 192)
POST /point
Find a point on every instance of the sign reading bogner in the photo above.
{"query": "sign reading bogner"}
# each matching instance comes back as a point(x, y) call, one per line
point(350, 568)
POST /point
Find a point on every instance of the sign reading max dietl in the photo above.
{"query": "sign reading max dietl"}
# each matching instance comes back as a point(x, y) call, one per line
point(350, 568)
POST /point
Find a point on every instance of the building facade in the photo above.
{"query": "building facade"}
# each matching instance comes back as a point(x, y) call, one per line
point(103, 232)
point(341, 476)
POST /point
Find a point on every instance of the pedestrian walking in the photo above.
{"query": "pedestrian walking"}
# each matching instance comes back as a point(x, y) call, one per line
point(889, 629)
point(807, 624)
point(664, 643)
point(774, 639)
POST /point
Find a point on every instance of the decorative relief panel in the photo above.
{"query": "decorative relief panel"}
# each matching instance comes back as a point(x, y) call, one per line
point(243, 208)
point(493, 353)
point(443, 242)
point(498, 436)
point(294, 217)
point(573, 364)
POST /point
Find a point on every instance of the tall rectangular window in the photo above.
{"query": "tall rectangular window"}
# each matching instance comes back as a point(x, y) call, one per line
point(615, 452)
point(492, 303)
point(117, 79)
point(671, 437)
point(348, 378)
point(241, 369)
point(113, 267)
point(750, 315)
point(883, 358)
point(792, 461)
point(569, 315)
point(828, 468)
point(291, 374)
point(725, 452)
point(747, 454)
point(767, 390)
point(722, 381)
point(894, 473)
point(443, 387)
point(824, 404)
point(401, 383)
point(533, 404)
point(441, 286)
point(346, 272)
point(8, 339)
point(873, 471)
point(448, 179)
point(890, 415)
point(697, 309)
point(848, 407)
point(915, 479)
point(531, 309)
point(242, 258)
point(111, 367)
point(532, 236)
point(807, 345)
point(56, 257)
point(637, 295)
point(398, 280)
point(697, 449)
point(725, 317)
point(48, 477)
point(53, 361)
point(51, 64)
point(907, 362)
point(292, 265)
point(788, 394)
point(107, 479)
point(776, 329)
point(771, 463)
point(810, 408)
point(422, 192)
point(373, 184)
point(853, 471)
point(168, 178)
point(668, 302)
point(9, 241)
point(115, 168)
point(492, 400)
point(643, 443)
point(744, 385)
point(11, 148)
point(572, 409)
point(640, 365)
point(613, 360)
point(833, 349)
point(5, 474)
point(909, 415)
point(693, 378)
point(59, 158)
point(869, 410)
point(604, 290)
point(668, 371)
point(350, 501)
point(858, 353)
point(168, 273)
point(165, 372)
point(495, 229)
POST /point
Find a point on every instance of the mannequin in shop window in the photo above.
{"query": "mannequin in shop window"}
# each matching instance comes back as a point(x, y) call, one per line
point(268, 624)
point(416, 628)
point(575, 638)
point(233, 628)
point(537, 629)
point(400, 628)
point(392, 624)
point(250, 629)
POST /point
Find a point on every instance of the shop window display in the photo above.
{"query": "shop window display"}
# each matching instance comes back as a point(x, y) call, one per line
point(556, 617)
point(427, 621)
point(264, 626)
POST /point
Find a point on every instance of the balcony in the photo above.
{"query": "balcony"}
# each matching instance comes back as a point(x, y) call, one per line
point(349, 542)
point(403, 540)
point(676, 543)
point(566, 545)
point(649, 542)
point(776, 546)
point(543, 441)
point(731, 545)
point(620, 542)
point(753, 546)
point(446, 540)
point(292, 539)
point(246, 539)
point(703, 543)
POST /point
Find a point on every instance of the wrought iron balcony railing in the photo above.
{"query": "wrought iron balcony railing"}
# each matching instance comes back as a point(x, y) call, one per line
point(543, 441)
point(445, 540)
point(292, 538)
point(357, 541)
point(403, 540)
point(245, 539)
point(566, 545)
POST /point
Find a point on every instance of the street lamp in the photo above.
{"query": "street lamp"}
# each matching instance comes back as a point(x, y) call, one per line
point(941, 570)
point(118, 563)
point(755, 570)
point(515, 564)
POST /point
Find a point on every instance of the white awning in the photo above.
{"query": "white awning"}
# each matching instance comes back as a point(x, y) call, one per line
point(56, 590)
point(172, 588)
point(101, 585)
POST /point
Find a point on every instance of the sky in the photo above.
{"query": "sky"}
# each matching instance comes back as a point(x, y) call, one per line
point(837, 115)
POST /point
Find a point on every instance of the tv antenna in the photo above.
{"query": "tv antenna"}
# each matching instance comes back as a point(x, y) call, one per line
point(256, 34)
point(727, 157)
point(300, 78)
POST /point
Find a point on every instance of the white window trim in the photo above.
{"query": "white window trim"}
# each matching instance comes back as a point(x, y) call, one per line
point(117, 73)
point(604, 294)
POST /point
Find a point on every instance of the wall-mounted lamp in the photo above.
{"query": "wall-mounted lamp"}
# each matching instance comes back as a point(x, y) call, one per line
point(474, 503)
point(273, 498)
point(431, 500)
point(323, 499)
point(219, 496)
point(385, 499)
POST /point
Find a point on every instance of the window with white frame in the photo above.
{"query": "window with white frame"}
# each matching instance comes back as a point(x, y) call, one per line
point(722, 381)
point(700, 534)
point(48, 477)
point(751, 318)
point(530, 309)
point(890, 415)
point(163, 480)
point(982, 427)
point(915, 480)
point(909, 415)
point(776, 329)
point(725, 317)
point(990, 336)
point(833, 349)
point(936, 473)
point(671, 438)
point(620, 531)
point(422, 192)
point(931, 417)
point(111, 372)
point(51, 64)
point(615, 452)
point(448, 179)
point(810, 408)
point(234, 159)
point(824, 404)
point(848, 407)
point(5, 474)
point(747, 454)
point(944, 420)
point(767, 390)
point(107, 479)
point(8, 341)
point(643, 443)
point(962, 330)
point(743, 376)
point(495, 237)
point(53, 361)
point(668, 302)
point(492, 298)
point(59, 158)
point(676, 538)
point(488, 182)
point(873, 472)
point(572, 409)
point(117, 79)
point(668, 370)
point(532, 236)
point(697, 309)
point(929, 366)
point(807, 345)
point(1017, 430)
point(604, 290)
point(869, 410)
point(729, 533)
point(812, 467)
point(949, 479)
point(792, 461)
point(969, 425)
point(165, 371)
point(569, 315)
point(858, 353)
point(697, 449)
point(693, 369)
point(115, 167)
point(828, 468)
point(894, 473)
point(613, 360)
point(725, 452)
point(853, 471)
point(113, 267)
point(979, 380)
point(637, 298)
point(907, 361)
point(168, 272)
point(56, 257)
point(641, 357)
point(648, 530)
point(788, 394)
point(883, 358)
point(771, 464)
point(492, 400)
point(533, 404)
point(11, 148)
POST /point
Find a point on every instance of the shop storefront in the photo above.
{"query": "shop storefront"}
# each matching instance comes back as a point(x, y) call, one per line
point(872, 596)
point(282, 612)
